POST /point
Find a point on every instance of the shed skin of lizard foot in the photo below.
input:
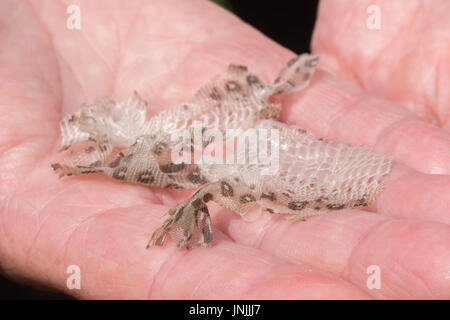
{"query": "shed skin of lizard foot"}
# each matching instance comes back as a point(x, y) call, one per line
point(192, 217)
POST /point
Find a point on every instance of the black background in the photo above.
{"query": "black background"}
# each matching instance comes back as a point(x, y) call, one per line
point(290, 23)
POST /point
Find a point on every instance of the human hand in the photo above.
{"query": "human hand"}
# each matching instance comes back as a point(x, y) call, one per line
point(166, 50)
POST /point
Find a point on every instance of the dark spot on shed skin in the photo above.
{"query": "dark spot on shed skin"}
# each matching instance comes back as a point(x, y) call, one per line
point(89, 171)
point(90, 149)
point(268, 195)
point(297, 205)
point(292, 61)
point(238, 67)
point(172, 167)
point(215, 94)
point(311, 63)
point(207, 197)
point(279, 91)
point(196, 178)
point(119, 173)
point(145, 177)
point(226, 189)
point(291, 83)
point(115, 163)
point(97, 163)
point(197, 203)
point(269, 113)
point(269, 210)
point(247, 198)
point(103, 147)
point(252, 79)
point(173, 186)
point(207, 236)
point(361, 202)
point(334, 206)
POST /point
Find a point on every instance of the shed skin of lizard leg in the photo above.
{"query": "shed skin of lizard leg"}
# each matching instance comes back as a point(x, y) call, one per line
point(192, 217)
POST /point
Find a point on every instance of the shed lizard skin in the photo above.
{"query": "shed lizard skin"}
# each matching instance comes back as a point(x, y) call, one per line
point(313, 174)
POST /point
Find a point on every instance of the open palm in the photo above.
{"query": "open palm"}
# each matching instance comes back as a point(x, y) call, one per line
point(166, 50)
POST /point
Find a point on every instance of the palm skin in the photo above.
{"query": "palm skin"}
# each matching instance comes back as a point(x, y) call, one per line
point(166, 50)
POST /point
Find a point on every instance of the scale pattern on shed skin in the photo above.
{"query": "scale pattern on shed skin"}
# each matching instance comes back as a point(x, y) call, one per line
point(314, 174)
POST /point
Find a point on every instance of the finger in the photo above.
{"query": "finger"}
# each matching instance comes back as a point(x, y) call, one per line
point(411, 194)
point(413, 255)
point(334, 108)
point(30, 95)
point(370, 43)
point(108, 247)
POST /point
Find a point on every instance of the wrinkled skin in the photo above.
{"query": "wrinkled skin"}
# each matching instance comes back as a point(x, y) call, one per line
point(384, 89)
